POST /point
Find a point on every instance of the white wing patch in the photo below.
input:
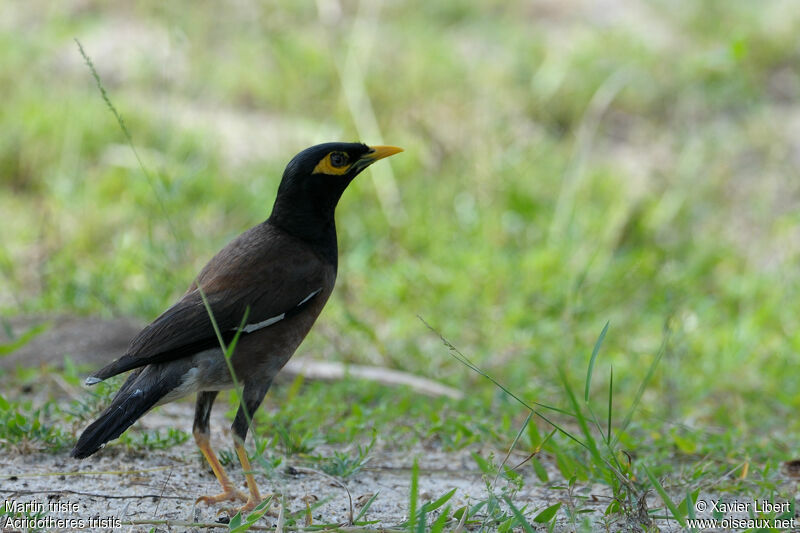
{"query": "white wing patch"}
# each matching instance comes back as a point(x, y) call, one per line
point(307, 298)
point(264, 323)
point(249, 328)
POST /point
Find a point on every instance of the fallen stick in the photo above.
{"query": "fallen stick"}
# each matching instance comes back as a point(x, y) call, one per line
point(333, 371)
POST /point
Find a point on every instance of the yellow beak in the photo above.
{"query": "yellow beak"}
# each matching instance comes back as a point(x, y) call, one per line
point(379, 152)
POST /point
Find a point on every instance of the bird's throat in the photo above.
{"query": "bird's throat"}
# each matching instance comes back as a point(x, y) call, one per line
point(310, 226)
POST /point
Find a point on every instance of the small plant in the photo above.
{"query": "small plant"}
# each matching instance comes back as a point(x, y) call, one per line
point(296, 443)
point(155, 439)
point(418, 519)
point(239, 524)
point(226, 456)
point(22, 424)
point(344, 464)
point(303, 517)
point(18, 341)
point(25, 519)
point(357, 521)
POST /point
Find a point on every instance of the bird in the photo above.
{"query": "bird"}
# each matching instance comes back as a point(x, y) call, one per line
point(265, 289)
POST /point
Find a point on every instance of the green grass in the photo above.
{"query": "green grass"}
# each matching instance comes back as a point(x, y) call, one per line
point(560, 172)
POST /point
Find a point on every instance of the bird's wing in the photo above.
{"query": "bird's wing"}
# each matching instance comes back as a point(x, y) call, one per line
point(265, 274)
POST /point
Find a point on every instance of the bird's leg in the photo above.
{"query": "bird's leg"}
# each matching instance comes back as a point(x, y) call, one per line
point(254, 498)
point(251, 399)
point(202, 412)
point(229, 492)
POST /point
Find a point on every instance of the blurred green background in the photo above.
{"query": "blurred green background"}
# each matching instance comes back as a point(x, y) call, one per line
point(566, 164)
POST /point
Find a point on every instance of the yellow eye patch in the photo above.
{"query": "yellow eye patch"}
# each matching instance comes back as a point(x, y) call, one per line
point(326, 165)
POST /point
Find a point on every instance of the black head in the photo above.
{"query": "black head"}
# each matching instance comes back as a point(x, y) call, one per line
point(315, 179)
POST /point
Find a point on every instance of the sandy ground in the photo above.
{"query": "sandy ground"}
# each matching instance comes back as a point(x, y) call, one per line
point(136, 491)
point(163, 484)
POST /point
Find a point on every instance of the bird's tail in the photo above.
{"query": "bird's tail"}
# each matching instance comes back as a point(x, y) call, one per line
point(135, 398)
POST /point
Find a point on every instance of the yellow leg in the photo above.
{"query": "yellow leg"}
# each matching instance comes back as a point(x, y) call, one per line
point(229, 492)
point(254, 498)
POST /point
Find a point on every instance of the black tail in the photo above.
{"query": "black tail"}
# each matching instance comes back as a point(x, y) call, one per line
point(137, 396)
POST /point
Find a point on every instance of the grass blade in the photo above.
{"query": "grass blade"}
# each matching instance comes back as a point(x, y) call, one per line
point(610, 403)
point(23, 339)
point(638, 398)
point(592, 360)
point(412, 505)
point(422, 520)
point(511, 448)
point(463, 360)
point(523, 522)
point(582, 421)
point(432, 506)
point(165, 212)
point(438, 525)
point(366, 507)
point(547, 514)
point(676, 514)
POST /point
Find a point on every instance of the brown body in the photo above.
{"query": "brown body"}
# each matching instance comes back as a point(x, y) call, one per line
point(266, 288)
point(262, 353)
point(297, 273)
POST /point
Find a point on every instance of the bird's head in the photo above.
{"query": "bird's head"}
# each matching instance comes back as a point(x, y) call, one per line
point(332, 165)
point(315, 179)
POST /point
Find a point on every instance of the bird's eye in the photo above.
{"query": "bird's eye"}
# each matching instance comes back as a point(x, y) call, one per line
point(338, 159)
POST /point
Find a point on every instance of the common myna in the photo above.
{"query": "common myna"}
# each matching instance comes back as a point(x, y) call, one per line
point(269, 285)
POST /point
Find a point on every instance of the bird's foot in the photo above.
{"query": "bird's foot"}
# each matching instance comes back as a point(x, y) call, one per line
point(251, 504)
point(228, 493)
point(253, 499)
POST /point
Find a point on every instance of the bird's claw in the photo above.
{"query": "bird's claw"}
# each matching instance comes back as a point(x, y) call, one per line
point(249, 505)
point(229, 493)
